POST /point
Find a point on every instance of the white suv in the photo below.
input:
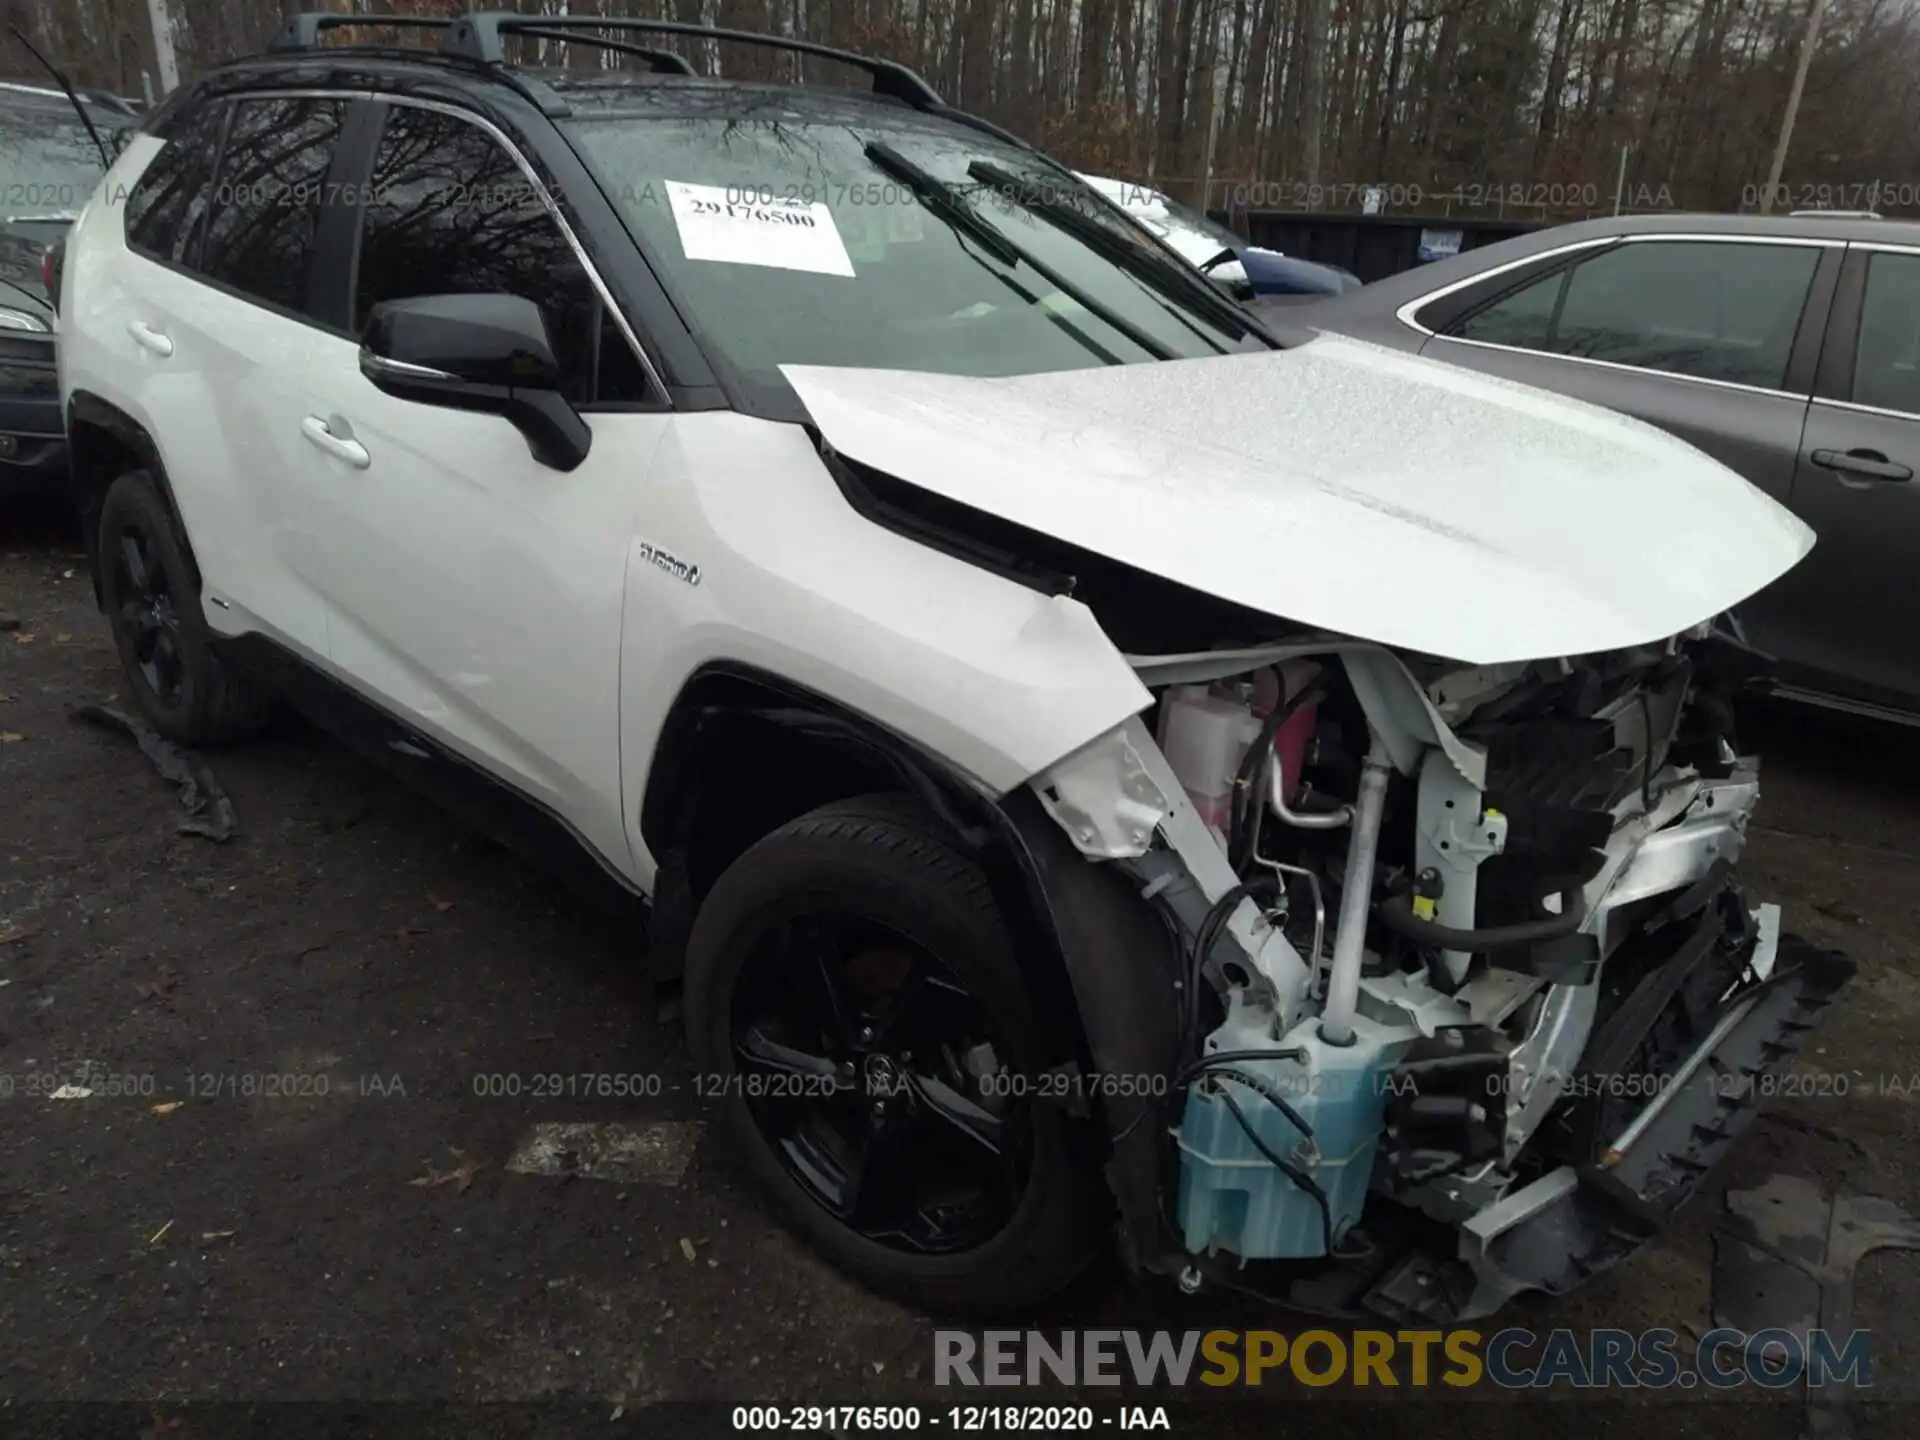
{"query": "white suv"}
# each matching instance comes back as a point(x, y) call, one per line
point(1098, 771)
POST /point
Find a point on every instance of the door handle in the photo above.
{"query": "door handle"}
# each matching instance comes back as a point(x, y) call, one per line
point(340, 447)
point(149, 338)
point(1866, 464)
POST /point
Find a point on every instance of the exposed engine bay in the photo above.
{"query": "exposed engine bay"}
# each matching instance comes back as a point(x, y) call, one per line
point(1468, 1001)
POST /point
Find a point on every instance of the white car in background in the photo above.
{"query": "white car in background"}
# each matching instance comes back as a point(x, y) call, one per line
point(1242, 269)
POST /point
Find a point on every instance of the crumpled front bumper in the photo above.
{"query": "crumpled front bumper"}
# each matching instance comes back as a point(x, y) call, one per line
point(1626, 1172)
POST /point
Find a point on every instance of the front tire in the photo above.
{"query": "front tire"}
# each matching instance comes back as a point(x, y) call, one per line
point(872, 1051)
point(152, 601)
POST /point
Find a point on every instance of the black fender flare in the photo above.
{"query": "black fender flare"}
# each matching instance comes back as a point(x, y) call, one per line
point(86, 410)
point(1103, 966)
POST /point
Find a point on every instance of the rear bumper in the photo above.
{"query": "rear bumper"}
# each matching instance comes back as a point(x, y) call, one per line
point(32, 464)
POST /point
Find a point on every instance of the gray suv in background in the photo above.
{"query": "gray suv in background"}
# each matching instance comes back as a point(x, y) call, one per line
point(1787, 347)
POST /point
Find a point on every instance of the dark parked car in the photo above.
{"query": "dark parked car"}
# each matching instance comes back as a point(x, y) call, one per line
point(1787, 347)
point(49, 166)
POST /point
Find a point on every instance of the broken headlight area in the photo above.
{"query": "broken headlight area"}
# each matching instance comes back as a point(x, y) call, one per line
point(1469, 999)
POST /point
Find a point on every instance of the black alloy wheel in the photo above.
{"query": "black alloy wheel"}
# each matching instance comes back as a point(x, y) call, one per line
point(874, 1075)
point(147, 615)
point(869, 1045)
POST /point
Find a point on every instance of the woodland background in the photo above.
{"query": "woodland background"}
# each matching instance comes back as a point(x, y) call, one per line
point(1454, 106)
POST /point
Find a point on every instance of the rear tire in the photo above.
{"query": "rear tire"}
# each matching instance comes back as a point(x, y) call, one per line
point(152, 601)
point(882, 870)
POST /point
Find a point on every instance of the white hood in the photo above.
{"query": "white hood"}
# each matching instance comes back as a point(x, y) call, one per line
point(1343, 486)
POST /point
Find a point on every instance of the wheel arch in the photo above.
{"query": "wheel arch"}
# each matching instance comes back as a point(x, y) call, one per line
point(743, 751)
point(104, 442)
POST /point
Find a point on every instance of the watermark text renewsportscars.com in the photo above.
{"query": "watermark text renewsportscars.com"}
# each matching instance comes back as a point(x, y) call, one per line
point(1508, 1359)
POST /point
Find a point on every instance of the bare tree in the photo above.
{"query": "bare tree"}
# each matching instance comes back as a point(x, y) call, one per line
point(1521, 105)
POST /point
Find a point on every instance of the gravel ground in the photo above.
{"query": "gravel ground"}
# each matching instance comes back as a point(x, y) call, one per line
point(362, 1238)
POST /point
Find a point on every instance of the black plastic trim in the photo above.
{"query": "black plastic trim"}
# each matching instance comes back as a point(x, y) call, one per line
point(1803, 361)
point(530, 829)
point(84, 408)
point(1834, 380)
point(332, 262)
point(1102, 965)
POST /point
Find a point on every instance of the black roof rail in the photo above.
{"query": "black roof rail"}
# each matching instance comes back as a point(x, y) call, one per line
point(303, 32)
point(479, 37)
point(661, 62)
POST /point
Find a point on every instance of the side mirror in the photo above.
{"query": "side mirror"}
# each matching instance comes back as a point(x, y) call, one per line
point(488, 353)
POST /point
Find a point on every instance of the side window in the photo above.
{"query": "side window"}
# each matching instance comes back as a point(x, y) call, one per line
point(1713, 310)
point(267, 197)
point(1886, 366)
point(169, 201)
point(1521, 319)
point(449, 212)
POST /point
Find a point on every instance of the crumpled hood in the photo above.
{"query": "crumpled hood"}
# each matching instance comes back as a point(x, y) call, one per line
point(1344, 486)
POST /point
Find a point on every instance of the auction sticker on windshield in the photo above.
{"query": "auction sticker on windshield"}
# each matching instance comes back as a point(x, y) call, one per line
point(737, 227)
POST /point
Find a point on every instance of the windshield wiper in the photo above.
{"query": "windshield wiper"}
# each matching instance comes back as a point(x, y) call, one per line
point(946, 202)
point(1141, 263)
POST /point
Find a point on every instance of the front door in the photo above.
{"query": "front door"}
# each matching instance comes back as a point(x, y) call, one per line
point(472, 591)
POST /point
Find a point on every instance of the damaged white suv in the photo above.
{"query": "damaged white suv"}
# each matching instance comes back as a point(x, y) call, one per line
point(1101, 773)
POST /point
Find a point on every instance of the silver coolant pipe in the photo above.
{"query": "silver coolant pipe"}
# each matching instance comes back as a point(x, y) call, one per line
point(1356, 898)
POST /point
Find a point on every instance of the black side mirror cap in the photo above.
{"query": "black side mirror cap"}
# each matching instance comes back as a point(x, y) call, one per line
point(487, 353)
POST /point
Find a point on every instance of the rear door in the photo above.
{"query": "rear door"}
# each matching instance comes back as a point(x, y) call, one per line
point(217, 320)
point(1713, 339)
point(1849, 607)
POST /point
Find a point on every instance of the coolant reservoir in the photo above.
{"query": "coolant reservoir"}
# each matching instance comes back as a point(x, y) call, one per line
point(1204, 737)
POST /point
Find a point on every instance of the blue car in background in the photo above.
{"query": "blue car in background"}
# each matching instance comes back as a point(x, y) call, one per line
point(1245, 271)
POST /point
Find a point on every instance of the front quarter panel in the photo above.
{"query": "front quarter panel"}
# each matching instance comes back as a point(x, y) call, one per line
point(747, 553)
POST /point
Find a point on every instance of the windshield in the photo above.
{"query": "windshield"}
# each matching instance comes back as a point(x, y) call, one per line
point(48, 163)
point(789, 242)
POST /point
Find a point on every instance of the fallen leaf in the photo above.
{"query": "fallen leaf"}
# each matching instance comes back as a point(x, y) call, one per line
point(62, 638)
point(439, 904)
point(460, 1177)
point(8, 737)
point(19, 932)
point(23, 638)
point(209, 1235)
point(167, 1107)
point(686, 1248)
point(160, 1232)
